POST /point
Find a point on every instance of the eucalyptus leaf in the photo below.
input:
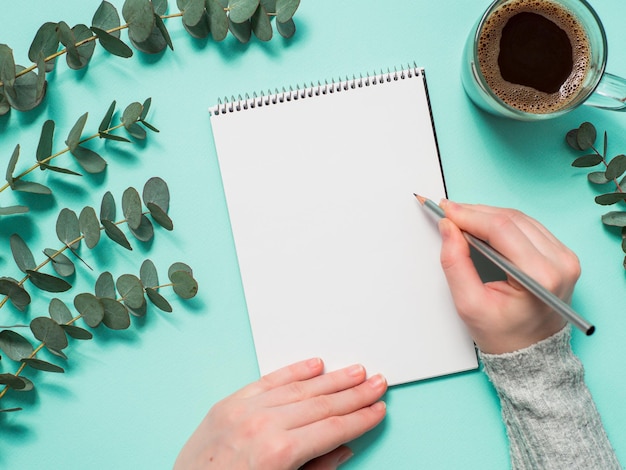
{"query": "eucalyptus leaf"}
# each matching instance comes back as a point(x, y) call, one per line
point(155, 43)
point(59, 312)
point(60, 263)
point(616, 167)
point(136, 131)
point(73, 139)
point(131, 207)
point(77, 332)
point(49, 332)
point(7, 66)
point(587, 161)
point(15, 292)
point(161, 28)
point(21, 253)
point(218, 20)
point(139, 311)
point(201, 30)
point(14, 345)
point(45, 43)
point(89, 160)
point(90, 308)
point(14, 382)
point(28, 90)
point(68, 228)
point(261, 26)
point(48, 282)
point(106, 120)
point(242, 10)
point(615, 218)
point(44, 149)
point(148, 274)
point(285, 9)
point(193, 12)
point(114, 233)
point(107, 18)
point(116, 316)
point(156, 191)
point(184, 285)
point(158, 300)
point(586, 135)
point(10, 410)
point(12, 163)
point(56, 352)
point(42, 365)
point(105, 286)
point(131, 290)
point(286, 29)
point(5, 106)
point(160, 7)
point(85, 51)
point(610, 198)
point(11, 210)
point(242, 31)
point(139, 15)
point(145, 231)
point(112, 44)
point(31, 187)
point(89, 226)
point(107, 207)
point(160, 217)
point(131, 114)
point(66, 37)
point(118, 138)
point(269, 5)
point(56, 169)
point(179, 267)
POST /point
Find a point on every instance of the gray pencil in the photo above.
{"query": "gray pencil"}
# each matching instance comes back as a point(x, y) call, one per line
point(509, 268)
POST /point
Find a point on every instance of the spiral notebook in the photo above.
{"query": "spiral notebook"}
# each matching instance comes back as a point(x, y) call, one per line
point(337, 258)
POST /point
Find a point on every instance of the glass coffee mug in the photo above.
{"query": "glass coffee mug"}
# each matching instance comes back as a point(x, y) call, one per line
point(538, 59)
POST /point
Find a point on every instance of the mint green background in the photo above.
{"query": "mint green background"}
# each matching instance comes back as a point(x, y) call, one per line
point(130, 399)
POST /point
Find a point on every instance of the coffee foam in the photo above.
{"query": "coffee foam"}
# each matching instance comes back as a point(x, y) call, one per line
point(522, 97)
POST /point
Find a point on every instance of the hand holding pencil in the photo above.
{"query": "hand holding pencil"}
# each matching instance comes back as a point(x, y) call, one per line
point(503, 316)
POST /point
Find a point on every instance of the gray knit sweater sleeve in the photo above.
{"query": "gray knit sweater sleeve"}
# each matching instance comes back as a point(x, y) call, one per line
point(550, 417)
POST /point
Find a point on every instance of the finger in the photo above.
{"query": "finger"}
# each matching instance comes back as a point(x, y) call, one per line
point(331, 460)
point(325, 384)
point(321, 407)
point(302, 370)
point(323, 436)
point(465, 285)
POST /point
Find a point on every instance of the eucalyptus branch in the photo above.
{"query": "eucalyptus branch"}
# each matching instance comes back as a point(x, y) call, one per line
point(90, 161)
point(583, 139)
point(72, 230)
point(23, 88)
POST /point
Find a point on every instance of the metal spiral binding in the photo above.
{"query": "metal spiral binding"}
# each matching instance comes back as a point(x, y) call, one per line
point(232, 104)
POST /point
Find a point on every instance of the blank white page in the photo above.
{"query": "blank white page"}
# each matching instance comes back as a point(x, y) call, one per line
point(337, 258)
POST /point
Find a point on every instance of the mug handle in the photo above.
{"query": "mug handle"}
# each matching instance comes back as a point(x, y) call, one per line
point(609, 94)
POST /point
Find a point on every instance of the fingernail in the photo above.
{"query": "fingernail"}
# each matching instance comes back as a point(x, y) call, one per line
point(379, 406)
point(314, 362)
point(356, 370)
point(343, 458)
point(377, 381)
point(444, 203)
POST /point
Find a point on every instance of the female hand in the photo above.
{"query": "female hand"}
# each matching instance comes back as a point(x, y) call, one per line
point(502, 316)
point(286, 419)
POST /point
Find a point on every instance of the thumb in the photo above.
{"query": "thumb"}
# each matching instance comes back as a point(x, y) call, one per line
point(464, 282)
point(330, 461)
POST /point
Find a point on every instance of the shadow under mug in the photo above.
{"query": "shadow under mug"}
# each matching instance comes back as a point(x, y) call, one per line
point(598, 88)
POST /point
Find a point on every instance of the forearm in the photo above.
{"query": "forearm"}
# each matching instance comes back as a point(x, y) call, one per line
point(549, 414)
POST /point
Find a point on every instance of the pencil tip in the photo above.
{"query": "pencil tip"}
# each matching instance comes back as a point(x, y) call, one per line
point(421, 199)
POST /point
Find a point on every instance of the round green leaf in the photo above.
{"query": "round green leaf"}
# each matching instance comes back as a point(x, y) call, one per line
point(157, 41)
point(84, 51)
point(145, 231)
point(178, 267)
point(285, 9)
point(44, 149)
point(139, 15)
point(597, 177)
point(242, 31)
point(242, 10)
point(269, 5)
point(218, 20)
point(59, 312)
point(11, 210)
point(116, 316)
point(89, 160)
point(46, 43)
point(49, 332)
point(616, 167)
point(201, 30)
point(587, 161)
point(16, 293)
point(76, 332)
point(14, 345)
point(21, 253)
point(160, 217)
point(614, 218)
point(610, 198)
point(28, 90)
point(131, 207)
point(106, 18)
point(73, 137)
point(68, 228)
point(261, 26)
point(107, 207)
point(160, 6)
point(105, 286)
point(586, 135)
point(7, 66)
point(106, 120)
point(89, 226)
point(131, 290)
point(184, 284)
point(60, 263)
point(30, 187)
point(115, 234)
point(131, 114)
point(42, 365)
point(148, 274)
point(48, 282)
point(156, 191)
point(90, 308)
point(15, 382)
point(158, 300)
point(112, 44)
point(286, 29)
point(193, 12)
